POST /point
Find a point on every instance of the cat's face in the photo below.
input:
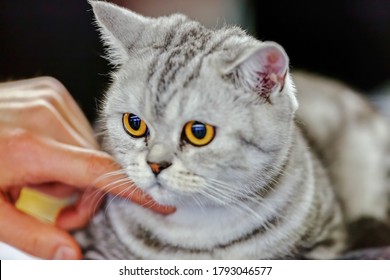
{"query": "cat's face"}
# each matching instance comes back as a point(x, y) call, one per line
point(194, 116)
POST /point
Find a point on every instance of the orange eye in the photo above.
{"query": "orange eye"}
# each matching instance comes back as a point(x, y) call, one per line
point(134, 125)
point(198, 134)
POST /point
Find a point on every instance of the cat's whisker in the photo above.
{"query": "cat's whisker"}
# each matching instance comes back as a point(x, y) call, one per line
point(224, 189)
point(91, 191)
point(224, 198)
point(107, 189)
point(200, 203)
point(194, 183)
point(243, 192)
point(100, 133)
point(233, 203)
point(110, 174)
point(236, 199)
point(120, 193)
point(149, 204)
point(130, 195)
point(211, 197)
point(229, 201)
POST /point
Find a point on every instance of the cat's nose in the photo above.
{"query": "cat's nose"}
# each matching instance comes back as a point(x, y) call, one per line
point(158, 167)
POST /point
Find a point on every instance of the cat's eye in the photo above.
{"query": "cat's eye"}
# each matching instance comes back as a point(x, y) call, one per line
point(198, 134)
point(134, 126)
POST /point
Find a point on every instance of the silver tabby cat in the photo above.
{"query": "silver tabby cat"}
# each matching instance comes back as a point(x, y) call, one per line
point(208, 121)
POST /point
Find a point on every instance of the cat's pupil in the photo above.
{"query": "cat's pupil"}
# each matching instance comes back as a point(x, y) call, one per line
point(135, 122)
point(199, 130)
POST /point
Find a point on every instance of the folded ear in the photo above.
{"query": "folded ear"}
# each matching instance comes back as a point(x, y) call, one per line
point(262, 69)
point(120, 29)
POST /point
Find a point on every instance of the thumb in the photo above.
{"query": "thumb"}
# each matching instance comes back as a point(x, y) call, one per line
point(34, 237)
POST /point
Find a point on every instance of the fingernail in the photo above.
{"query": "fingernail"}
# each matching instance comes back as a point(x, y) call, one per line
point(168, 209)
point(65, 253)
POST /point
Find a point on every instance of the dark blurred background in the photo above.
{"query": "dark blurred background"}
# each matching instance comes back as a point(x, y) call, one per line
point(347, 39)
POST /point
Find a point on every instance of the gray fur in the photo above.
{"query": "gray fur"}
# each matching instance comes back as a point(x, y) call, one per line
point(269, 184)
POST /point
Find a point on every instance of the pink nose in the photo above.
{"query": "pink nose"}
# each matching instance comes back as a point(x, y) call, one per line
point(158, 167)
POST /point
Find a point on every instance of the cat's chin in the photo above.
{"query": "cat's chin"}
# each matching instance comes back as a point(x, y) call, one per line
point(163, 196)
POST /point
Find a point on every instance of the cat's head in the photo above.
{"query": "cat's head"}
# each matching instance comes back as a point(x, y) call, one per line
point(194, 116)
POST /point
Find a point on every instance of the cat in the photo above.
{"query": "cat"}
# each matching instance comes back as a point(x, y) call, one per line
point(260, 163)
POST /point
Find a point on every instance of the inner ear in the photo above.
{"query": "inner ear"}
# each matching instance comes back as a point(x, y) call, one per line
point(264, 69)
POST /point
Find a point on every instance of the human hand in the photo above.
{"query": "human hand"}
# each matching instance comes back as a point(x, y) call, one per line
point(47, 143)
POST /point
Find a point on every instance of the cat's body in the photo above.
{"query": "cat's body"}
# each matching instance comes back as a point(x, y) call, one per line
point(269, 183)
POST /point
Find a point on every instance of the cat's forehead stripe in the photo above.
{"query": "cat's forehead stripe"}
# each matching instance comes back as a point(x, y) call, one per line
point(168, 40)
point(188, 43)
point(181, 46)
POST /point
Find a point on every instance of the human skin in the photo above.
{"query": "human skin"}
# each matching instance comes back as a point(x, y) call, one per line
point(47, 143)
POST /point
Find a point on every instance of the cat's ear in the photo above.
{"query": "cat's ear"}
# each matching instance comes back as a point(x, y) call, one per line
point(120, 29)
point(262, 69)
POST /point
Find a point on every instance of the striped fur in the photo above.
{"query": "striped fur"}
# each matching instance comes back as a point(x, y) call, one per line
point(275, 183)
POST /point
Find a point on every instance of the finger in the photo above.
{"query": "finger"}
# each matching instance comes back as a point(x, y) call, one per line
point(42, 87)
point(119, 184)
point(34, 160)
point(77, 216)
point(33, 237)
point(52, 91)
point(56, 190)
point(138, 196)
point(70, 110)
point(42, 118)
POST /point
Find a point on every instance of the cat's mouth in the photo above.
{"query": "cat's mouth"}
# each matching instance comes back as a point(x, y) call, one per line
point(161, 193)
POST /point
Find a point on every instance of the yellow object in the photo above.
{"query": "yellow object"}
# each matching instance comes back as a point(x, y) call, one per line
point(42, 206)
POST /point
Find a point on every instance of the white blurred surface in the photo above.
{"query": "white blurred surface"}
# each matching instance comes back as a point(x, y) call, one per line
point(10, 253)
